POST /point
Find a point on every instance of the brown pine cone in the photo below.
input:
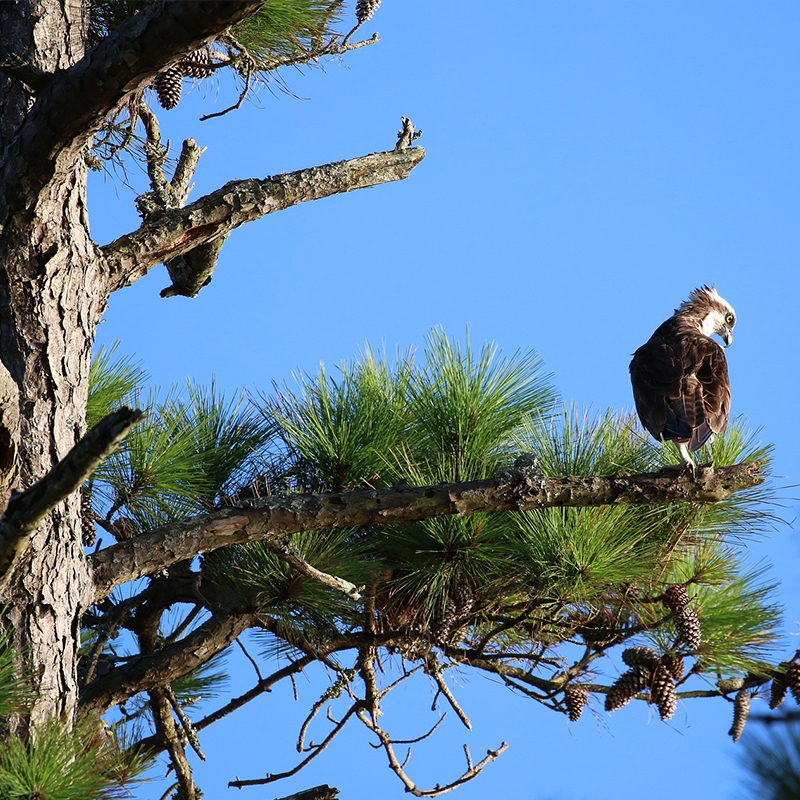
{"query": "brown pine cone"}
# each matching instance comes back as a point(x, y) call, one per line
point(793, 680)
point(575, 698)
point(365, 9)
point(197, 64)
point(688, 624)
point(168, 85)
point(662, 692)
point(676, 597)
point(640, 657)
point(627, 686)
point(741, 710)
point(777, 690)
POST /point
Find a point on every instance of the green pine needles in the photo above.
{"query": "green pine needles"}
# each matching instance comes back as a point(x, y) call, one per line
point(536, 598)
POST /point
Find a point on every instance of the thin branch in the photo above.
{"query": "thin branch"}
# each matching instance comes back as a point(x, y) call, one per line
point(188, 728)
point(179, 230)
point(250, 659)
point(26, 510)
point(287, 553)
point(238, 784)
point(517, 490)
point(435, 669)
point(165, 727)
point(331, 693)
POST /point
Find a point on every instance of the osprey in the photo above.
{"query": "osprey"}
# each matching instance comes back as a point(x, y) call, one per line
point(680, 375)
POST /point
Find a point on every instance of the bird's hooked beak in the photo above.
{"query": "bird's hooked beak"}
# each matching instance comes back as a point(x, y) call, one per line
point(727, 335)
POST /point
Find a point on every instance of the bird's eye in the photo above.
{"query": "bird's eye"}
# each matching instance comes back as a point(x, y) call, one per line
point(729, 319)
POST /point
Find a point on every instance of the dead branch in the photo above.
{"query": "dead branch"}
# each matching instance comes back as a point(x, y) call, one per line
point(435, 669)
point(189, 730)
point(179, 230)
point(283, 549)
point(167, 730)
point(331, 693)
point(316, 751)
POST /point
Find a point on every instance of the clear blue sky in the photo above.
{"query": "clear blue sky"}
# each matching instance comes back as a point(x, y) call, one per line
point(589, 163)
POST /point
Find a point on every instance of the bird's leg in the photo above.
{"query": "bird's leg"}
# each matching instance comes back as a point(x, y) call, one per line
point(686, 456)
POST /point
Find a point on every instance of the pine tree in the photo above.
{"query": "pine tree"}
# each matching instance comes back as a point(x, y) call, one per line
point(356, 520)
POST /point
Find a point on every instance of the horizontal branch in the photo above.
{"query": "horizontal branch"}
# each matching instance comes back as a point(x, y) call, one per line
point(27, 509)
point(517, 489)
point(179, 230)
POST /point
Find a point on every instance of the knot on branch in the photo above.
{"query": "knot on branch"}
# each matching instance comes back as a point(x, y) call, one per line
point(406, 134)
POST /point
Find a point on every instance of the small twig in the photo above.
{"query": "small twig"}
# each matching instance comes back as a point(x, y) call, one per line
point(291, 556)
point(186, 723)
point(245, 91)
point(169, 791)
point(250, 659)
point(435, 669)
point(238, 784)
point(419, 738)
point(331, 693)
point(190, 617)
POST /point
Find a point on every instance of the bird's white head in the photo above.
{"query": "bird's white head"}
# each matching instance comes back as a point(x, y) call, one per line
point(710, 312)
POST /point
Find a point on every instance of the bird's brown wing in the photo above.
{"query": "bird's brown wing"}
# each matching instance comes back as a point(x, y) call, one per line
point(706, 383)
point(680, 386)
point(656, 376)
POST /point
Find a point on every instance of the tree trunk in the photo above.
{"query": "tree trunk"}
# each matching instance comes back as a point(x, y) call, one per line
point(47, 318)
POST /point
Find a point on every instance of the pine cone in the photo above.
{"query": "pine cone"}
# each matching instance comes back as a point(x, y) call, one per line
point(458, 605)
point(777, 691)
point(640, 657)
point(196, 64)
point(365, 9)
point(662, 691)
point(741, 710)
point(793, 680)
point(676, 597)
point(627, 686)
point(575, 698)
point(168, 84)
point(89, 530)
point(688, 624)
point(674, 663)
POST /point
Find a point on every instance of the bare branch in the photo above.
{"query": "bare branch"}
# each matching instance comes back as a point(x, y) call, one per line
point(26, 510)
point(188, 728)
point(435, 669)
point(238, 784)
point(179, 230)
point(274, 516)
point(166, 728)
point(291, 556)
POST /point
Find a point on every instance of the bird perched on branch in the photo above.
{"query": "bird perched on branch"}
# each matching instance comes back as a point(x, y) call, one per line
point(680, 375)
